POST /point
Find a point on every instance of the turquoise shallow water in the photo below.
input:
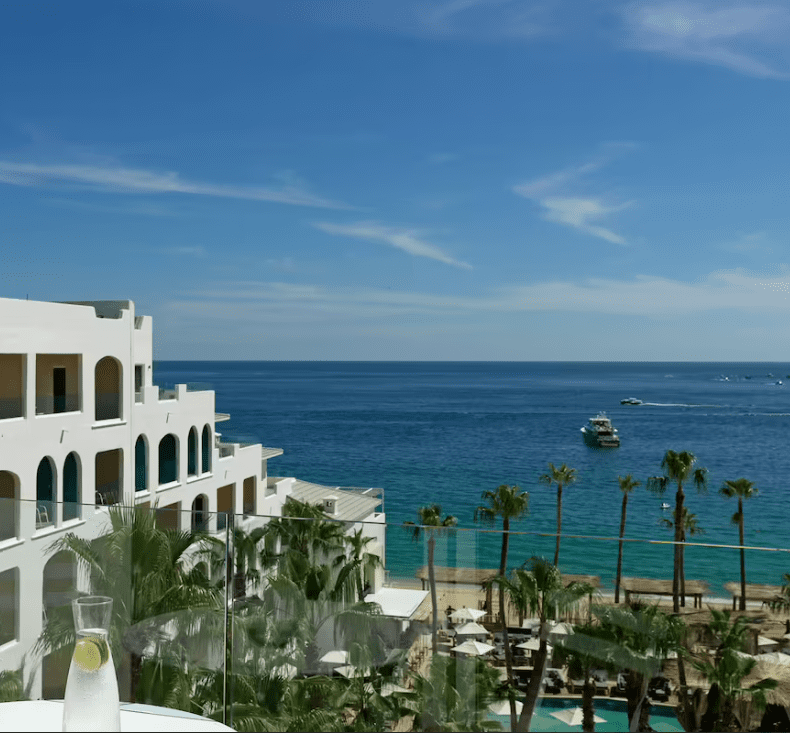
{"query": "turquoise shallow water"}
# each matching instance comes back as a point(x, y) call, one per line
point(614, 712)
point(444, 432)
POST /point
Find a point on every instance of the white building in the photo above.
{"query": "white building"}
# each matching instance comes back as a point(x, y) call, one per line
point(82, 426)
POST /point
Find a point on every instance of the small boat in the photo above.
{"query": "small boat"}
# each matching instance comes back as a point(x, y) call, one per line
point(664, 505)
point(599, 432)
point(630, 401)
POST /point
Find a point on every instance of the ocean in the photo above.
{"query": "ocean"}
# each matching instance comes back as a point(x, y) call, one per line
point(444, 432)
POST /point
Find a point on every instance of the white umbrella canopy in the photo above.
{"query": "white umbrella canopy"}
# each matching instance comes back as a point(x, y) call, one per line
point(560, 629)
point(473, 648)
point(502, 707)
point(532, 645)
point(387, 688)
point(471, 629)
point(573, 716)
point(466, 614)
point(336, 656)
point(349, 670)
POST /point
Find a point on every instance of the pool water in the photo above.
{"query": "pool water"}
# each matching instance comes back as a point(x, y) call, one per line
point(614, 712)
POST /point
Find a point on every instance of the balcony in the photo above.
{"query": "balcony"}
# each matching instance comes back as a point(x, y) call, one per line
point(390, 663)
point(52, 405)
point(11, 407)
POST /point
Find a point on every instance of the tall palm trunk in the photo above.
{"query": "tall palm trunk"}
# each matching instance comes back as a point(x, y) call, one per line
point(535, 679)
point(434, 601)
point(503, 617)
point(588, 708)
point(683, 568)
point(742, 601)
point(620, 551)
point(676, 570)
point(559, 525)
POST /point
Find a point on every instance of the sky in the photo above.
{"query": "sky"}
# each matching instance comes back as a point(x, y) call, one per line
point(402, 180)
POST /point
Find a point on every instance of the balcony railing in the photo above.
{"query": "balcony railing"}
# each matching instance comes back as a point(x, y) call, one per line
point(51, 405)
point(108, 406)
point(11, 407)
point(225, 643)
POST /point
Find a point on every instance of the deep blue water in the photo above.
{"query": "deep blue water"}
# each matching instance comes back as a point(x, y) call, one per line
point(443, 432)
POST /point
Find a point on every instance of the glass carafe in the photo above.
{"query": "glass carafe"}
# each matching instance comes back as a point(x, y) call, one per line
point(91, 701)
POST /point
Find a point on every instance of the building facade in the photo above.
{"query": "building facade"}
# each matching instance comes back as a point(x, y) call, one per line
point(83, 427)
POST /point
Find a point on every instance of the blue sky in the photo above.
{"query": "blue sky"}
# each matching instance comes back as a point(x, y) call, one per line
point(459, 179)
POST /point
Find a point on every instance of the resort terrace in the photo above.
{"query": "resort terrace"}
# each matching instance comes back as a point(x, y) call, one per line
point(267, 613)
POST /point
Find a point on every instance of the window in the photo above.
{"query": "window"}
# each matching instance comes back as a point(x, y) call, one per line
point(71, 488)
point(206, 449)
point(9, 505)
point(140, 464)
point(168, 459)
point(9, 606)
point(192, 452)
point(45, 493)
point(108, 389)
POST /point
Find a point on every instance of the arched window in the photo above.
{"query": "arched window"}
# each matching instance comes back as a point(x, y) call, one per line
point(45, 493)
point(192, 451)
point(9, 506)
point(206, 449)
point(108, 376)
point(71, 488)
point(200, 513)
point(168, 459)
point(140, 464)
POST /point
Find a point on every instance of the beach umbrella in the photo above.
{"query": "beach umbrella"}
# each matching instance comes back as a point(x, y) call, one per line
point(336, 656)
point(471, 629)
point(573, 716)
point(532, 645)
point(502, 707)
point(560, 629)
point(349, 670)
point(387, 688)
point(473, 648)
point(466, 614)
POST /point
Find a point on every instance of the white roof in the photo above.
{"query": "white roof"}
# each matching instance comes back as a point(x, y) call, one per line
point(352, 506)
point(397, 602)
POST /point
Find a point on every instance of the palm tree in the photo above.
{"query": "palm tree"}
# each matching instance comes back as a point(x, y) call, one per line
point(690, 526)
point(679, 467)
point(726, 671)
point(743, 489)
point(627, 484)
point(430, 521)
point(360, 561)
point(151, 575)
point(537, 589)
point(454, 696)
point(508, 502)
point(562, 476)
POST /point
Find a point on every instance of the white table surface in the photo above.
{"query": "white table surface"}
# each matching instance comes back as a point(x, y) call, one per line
point(47, 715)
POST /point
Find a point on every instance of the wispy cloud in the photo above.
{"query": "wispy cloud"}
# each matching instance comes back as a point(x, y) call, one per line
point(643, 295)
point(729, 34)
point(407, 240)
point(113, 179)
point(186, 251)
point(556, 195)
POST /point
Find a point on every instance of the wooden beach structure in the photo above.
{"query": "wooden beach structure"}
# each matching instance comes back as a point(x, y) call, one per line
point(754, 592)
point(650, 587)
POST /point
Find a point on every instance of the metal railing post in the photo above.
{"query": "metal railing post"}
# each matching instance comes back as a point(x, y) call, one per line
point(227, 691)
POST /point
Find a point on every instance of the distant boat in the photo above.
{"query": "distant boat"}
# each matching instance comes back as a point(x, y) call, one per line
point(599, 432)
point(664, 505)
point(630, 401)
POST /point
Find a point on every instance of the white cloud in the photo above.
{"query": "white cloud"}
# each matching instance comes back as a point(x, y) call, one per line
point(132, 180)
point(643, 295)
point(403, 239)
point(725, 34)
point(579, 213)
point(559, 204)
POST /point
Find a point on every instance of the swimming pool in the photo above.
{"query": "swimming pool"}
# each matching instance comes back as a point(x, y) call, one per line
point(614, 712)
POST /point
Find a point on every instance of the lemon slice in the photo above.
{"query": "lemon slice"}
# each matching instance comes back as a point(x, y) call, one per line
point(88, 654)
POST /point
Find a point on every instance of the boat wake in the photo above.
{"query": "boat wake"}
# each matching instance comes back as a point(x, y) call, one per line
point(675, 404)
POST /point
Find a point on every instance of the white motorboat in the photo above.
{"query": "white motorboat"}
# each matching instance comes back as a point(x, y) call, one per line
point(630, 401)
point(599, 432)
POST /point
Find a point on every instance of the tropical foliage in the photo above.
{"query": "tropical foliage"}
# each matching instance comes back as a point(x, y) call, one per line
point(562, 476)
point(742, 489)
point(679, 468)
point(507, 502)
point(431, 522)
